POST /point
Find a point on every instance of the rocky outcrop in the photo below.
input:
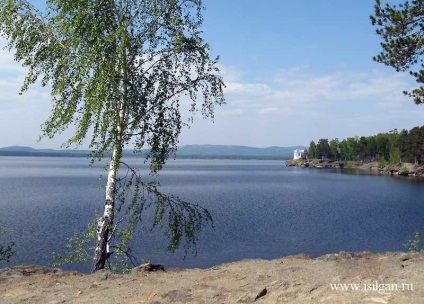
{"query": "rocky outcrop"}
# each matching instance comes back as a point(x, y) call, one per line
point(377, 278)
point(314, 163)
point(31, 270)
point(404, 169)
point(148, 268)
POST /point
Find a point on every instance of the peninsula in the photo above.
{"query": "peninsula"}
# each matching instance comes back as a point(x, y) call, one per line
point(374, 167)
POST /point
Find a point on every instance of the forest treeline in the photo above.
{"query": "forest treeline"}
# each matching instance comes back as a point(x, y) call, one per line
point(393, 147)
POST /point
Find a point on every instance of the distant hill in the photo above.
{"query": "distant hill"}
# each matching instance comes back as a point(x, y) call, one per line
point(18, 148)
point(28, 151)
point(188, 151)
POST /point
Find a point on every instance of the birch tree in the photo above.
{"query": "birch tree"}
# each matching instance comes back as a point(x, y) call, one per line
point(122, 72)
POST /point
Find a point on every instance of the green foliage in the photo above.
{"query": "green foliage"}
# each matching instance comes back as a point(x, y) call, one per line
point(400, 27)
point(80, 246)
point(183, 220)
point(78, 249)
point(404, 170)
point(394, 156)
point(391, 147)
point(334, 149)
point(381, 162)
point(6, 250)
point(414, 243)
point(312, 150)
point(323, 148)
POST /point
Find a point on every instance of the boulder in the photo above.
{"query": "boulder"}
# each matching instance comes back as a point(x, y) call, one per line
point(147, 267)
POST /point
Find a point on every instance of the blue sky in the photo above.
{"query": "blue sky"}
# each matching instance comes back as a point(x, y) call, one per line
point(294, 70)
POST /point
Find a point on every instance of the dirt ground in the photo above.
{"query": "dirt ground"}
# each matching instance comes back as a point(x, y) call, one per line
point(365, 278)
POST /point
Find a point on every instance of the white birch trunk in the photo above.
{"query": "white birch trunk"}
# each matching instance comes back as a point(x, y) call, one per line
point(105, 222)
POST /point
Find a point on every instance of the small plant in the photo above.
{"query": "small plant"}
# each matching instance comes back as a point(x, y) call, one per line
point(403, 171)
point(80, 245)
point(77, 249)
point(394, 156)
point(6, 250)
point(381, 162)
point(414, 244)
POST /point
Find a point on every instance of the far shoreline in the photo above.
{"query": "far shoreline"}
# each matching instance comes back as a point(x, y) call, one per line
point(402, 169)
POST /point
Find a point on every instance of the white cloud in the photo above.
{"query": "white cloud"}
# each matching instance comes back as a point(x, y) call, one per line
point(247, 88)
point(22, 115)
point(297, 88)
point(299, 105)
point(229, 73)
point(268, 110)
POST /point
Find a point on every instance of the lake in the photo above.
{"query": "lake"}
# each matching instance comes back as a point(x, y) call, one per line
point(261, 209)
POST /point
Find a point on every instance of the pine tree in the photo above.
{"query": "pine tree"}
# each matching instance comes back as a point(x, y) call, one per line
point(401, 29)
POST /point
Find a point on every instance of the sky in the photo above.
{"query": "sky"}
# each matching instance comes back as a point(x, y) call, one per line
point(295, 71)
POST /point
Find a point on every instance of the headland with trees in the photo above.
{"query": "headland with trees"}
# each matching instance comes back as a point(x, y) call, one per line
point(393, 152)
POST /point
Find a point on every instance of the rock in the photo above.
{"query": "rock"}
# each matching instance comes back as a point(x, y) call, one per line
point(180, 295)
point(102, 274)
point(148, 268)
point(145, 296)
point(262, 293)
point(253, 296)
point(378, 300)
point(33, 270)
point(53, 284)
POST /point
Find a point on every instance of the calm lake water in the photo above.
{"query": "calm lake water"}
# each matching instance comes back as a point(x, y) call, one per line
point(261, 209)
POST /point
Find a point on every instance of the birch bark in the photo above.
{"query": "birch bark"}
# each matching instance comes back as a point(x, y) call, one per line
point(105, 222)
